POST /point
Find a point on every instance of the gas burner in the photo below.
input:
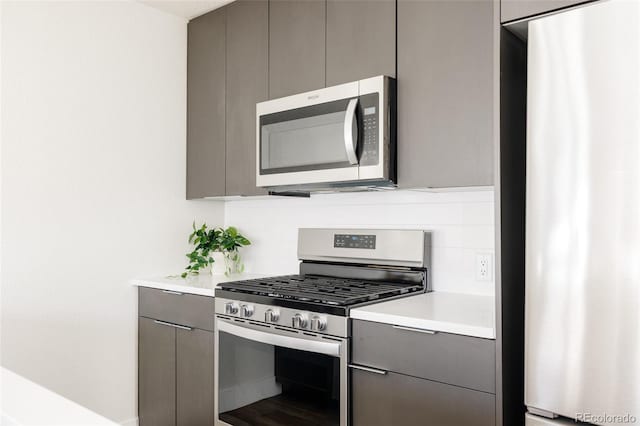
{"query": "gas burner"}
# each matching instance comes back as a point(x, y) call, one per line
point(321, 289)
point(342, 269)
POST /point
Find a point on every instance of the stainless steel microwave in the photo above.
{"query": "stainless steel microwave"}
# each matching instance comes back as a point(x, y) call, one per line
point(338, 137)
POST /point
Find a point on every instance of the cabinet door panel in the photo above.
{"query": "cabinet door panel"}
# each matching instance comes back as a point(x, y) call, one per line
point(296, 46)
point(517, 9)
point(361, 39)
point(395, 399)
point(194, 373)
point(449, 358)
point(206, 105)
point(445, 93)
point(156, 374)
point(247, 84)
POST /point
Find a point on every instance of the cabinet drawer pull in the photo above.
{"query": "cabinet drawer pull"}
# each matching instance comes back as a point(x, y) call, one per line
point(417, 330)
point(177, 293)
point(168, 324)
point(368, 369)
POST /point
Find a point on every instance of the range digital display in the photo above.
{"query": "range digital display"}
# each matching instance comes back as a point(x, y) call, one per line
point(354, 241)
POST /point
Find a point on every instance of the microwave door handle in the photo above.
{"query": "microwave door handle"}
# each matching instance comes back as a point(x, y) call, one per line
point(351, 132)
point(327, 348)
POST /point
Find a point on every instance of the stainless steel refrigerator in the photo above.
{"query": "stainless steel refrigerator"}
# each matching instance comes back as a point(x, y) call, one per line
point(582, 307)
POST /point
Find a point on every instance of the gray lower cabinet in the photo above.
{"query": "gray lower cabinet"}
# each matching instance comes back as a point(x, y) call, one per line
point(247, 84)
point(446, 92)
point(449, 358)
point(511, 10)
point(296, 46)
point(156, 374)
point(397, 399)
point(361, 39)
point(412, 377)
point(206, 106)
point(194, 377)
point(175, 359)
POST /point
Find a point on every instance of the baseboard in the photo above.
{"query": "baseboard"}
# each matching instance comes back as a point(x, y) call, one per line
point(130, 422)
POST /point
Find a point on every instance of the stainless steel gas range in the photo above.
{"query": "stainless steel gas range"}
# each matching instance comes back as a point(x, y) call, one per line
point(282, 343)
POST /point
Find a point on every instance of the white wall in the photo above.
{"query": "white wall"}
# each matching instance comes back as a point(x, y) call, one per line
point(93, 178)
point(462, 224)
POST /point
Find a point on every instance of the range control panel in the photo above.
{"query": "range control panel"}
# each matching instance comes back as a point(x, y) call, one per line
point(279, 316)
point(354, 241)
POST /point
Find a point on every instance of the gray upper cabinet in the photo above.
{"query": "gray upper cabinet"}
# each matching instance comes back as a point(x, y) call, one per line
point(247, 84)
point(443, 54)
point(296, 46)
point(446, 94)
point(206, 106)
point(512, 10)
point(361, 39)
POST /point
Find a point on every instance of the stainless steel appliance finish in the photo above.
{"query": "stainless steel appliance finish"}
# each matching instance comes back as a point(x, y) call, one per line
point(271, 336)
point(337, 137)
point(582, 315)
point(278, 316)
point(302, 321)
point(411, 248)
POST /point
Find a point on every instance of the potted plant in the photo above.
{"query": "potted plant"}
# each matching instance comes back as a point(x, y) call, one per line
point(209, 242)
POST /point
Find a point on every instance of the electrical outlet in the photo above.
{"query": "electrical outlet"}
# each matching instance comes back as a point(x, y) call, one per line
point(484, 266)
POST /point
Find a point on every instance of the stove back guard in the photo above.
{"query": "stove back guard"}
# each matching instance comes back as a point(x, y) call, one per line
point(383, 247)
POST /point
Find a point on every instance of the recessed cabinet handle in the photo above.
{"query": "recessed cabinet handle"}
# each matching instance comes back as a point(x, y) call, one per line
point(368, 369)
point(417, 330)
point(169, 324)
point(177, 293)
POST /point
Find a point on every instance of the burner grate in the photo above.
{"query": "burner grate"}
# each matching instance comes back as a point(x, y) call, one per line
point(321, 289)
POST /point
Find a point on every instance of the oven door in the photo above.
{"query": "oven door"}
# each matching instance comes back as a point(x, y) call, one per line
point(265, 374)
point(308, 138)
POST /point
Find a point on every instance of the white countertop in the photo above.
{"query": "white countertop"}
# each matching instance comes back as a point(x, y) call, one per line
point(467, 314)
point(203, 285)
point(457, 313)
point(26, 403)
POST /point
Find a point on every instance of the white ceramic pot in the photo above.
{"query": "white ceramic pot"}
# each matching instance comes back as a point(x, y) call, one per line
point(218, 267)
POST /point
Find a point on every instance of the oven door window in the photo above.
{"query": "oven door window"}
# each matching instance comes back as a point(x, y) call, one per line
point(308, 138)
point(266, 384)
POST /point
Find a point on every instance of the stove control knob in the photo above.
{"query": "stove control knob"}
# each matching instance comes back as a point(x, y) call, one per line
point(271, 315)
point(231, 308)
point(246, 310)
point(299, 321)
point(318, 323)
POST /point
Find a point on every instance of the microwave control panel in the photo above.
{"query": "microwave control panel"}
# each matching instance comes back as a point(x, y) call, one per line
point(369, 146)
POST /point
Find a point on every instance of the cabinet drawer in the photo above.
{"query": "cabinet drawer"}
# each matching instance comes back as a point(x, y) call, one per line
point(448, 358)
point(184, 309)
point(396, 399)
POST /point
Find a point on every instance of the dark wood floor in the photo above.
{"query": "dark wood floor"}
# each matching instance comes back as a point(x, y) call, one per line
point(284, 410)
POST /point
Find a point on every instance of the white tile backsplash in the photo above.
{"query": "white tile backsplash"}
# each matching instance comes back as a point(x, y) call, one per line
point(461, 222)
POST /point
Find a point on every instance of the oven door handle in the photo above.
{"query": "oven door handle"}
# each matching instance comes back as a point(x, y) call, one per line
point(309, 345)
point(351, 132)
